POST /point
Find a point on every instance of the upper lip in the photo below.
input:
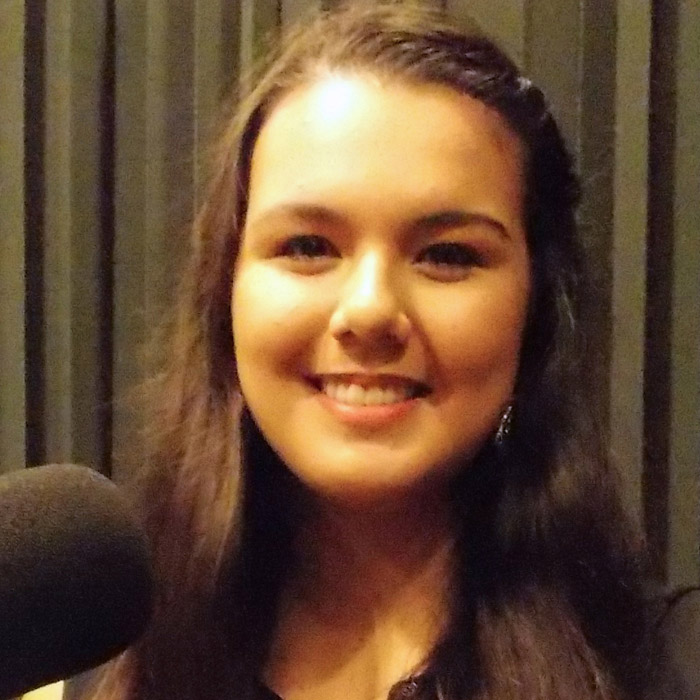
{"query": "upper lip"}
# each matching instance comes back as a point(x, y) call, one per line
point(367, 380)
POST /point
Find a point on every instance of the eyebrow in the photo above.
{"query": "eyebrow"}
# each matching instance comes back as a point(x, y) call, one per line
point(436, 221)
point(456, 218)
point(309, 212)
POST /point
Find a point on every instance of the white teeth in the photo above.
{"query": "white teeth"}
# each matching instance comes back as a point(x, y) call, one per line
point(375, 396)
point(356, 395)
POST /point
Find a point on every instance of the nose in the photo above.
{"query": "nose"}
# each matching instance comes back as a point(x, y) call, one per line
point(370, 309)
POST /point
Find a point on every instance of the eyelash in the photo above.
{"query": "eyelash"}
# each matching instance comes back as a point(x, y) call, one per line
point(450, 254)
point(307, 247)
point(444, 259)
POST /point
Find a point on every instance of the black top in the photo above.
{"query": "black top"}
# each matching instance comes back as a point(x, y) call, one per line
point(676, 650)
point(676, 659)
point(411, 689)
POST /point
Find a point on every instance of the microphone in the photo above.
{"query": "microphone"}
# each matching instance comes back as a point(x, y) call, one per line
point(76, 584)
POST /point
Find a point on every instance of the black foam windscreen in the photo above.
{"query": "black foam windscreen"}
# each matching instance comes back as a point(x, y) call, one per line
point(75, 575)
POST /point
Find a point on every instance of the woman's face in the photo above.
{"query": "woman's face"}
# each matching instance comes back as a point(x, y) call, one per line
point(382, 284)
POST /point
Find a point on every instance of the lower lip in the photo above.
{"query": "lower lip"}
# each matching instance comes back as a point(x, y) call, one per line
point(375, 416)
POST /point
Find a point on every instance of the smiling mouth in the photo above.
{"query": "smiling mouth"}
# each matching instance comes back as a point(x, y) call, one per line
point(370, 391)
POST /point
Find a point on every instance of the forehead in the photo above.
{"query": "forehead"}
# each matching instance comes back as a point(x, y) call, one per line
point(357, 134)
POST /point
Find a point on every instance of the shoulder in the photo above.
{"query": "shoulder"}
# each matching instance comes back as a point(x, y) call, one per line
point(677, 647)
point(47, 692)
point(78, 687)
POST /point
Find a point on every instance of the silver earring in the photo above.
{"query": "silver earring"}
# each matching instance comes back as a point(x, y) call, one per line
point(504, 426)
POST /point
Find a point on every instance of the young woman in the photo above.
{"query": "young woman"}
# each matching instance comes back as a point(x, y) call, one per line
point(373, 473)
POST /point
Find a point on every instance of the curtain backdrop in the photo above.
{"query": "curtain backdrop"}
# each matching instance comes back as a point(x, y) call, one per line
point(106, 109)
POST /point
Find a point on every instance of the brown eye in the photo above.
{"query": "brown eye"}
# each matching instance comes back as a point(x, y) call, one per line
point(307, 247)
point(449, 255)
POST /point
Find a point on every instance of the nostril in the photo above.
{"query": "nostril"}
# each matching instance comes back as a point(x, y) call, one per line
point(394, 328)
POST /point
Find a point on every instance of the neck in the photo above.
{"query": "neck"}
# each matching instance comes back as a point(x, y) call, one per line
point(370, 597)
point(375, 556)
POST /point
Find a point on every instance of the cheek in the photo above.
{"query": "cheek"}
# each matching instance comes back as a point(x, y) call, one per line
point(273, 318)
point(480, 334)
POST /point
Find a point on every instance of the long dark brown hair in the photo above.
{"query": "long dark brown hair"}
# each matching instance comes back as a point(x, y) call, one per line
point(550, 604)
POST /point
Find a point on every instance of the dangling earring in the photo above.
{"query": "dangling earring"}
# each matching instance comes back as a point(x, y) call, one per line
point(504, 426)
